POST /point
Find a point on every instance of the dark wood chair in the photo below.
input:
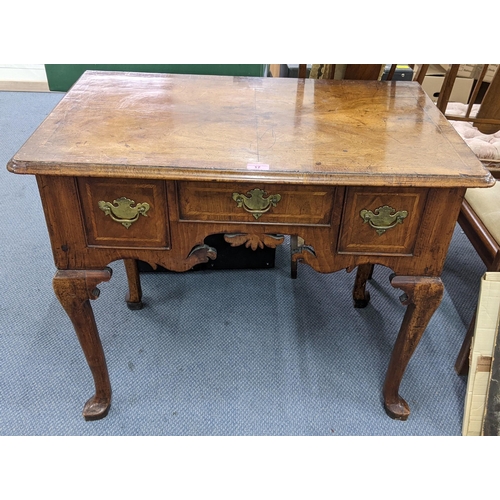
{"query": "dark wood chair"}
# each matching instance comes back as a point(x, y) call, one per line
point(480, 210)
point(479, 220)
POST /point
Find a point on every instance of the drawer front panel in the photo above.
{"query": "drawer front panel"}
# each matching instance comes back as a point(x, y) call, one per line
point(124, 212)
point(381, 221)
point(255, 203)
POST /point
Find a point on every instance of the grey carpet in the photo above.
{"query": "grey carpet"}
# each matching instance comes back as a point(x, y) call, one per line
point(214, 352)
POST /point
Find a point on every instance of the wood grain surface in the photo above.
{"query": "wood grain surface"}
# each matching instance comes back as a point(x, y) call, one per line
point(320, 131)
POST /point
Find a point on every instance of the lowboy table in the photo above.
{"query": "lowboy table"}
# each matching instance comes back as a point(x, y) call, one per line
point(146, 166)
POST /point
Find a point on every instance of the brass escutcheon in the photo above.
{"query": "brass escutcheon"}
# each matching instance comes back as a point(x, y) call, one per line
point(383, 218)
point(122, 211)
point(255, 203)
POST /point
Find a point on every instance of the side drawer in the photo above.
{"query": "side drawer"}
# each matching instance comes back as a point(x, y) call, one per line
point(255, 203)
point(381, 220)
point(124, 212)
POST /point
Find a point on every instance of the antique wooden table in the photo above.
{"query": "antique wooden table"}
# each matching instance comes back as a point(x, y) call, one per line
point(146, 166)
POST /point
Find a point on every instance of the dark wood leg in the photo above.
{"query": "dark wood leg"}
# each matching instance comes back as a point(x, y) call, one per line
point(74, 289)
point(360, 295)
point(134, 294)
point(293, 263)
point(422, 296)
point(462, 362)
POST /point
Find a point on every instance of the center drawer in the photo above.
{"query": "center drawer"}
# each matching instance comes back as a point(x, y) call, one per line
point(255, 203)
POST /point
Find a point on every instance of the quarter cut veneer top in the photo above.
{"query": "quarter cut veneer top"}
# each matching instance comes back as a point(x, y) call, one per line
point(141, 125)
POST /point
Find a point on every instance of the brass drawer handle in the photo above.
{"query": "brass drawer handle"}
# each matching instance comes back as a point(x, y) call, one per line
point(256, 204)
point(122, 211)
point(383, 218)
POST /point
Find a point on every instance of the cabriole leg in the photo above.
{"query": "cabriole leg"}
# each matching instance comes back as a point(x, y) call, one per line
point(423, 296)
point(74, 289)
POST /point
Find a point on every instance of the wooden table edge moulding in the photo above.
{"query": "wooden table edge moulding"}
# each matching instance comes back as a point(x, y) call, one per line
point(139, 166)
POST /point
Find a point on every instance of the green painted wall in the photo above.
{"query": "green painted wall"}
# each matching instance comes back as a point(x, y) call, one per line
point(62, 76)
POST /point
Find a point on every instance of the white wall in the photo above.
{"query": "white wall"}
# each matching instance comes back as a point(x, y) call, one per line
point(23, 77)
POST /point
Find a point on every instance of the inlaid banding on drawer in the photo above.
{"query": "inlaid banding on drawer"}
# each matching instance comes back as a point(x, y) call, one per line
point(381, 220)
point(124, 213)
point(279, 204)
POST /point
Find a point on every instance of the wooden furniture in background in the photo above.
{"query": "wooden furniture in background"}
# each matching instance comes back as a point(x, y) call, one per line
point(361, 72)
point(274, 69)
point(350, 71)
point(487, 119)
point(478, 219)
point(146, 166)
point(480, 211)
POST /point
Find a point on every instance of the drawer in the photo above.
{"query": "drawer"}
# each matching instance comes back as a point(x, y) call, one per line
point(381, 220)
point(124, 212)
point(255, 203)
